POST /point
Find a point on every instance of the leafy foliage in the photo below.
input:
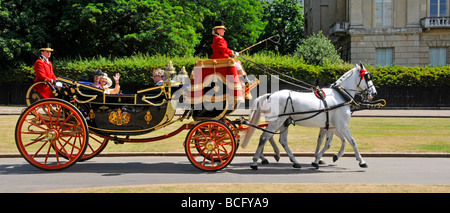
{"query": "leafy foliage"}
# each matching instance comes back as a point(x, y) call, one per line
point(318, 50)
point(137, 70)
point(284, 18)
point(243, 20)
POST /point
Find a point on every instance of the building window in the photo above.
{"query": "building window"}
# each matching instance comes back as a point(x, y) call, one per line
point(438, 56)
point(385, 56)
point(438, 8)
point(383, 13)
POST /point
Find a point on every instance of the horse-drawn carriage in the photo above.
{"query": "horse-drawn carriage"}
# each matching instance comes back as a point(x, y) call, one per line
point(53, 134)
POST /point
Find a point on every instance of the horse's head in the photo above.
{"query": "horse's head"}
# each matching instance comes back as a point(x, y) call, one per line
point(365, 84)
point(358, 81)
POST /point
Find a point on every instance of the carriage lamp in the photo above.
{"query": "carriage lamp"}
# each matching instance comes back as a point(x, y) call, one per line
point(170, 72)
point(182, 76)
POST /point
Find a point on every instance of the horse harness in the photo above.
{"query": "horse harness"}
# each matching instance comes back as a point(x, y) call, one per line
point(321, 96)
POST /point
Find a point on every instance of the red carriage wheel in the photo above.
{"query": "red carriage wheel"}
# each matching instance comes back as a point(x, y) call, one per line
point(210, 145)
point(95, 146)
point(51, 134)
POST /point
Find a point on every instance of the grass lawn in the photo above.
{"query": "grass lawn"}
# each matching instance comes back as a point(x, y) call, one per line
point(420, 135)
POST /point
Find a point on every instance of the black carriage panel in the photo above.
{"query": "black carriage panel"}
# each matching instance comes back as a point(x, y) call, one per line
point(136, 114)
point(120, 99)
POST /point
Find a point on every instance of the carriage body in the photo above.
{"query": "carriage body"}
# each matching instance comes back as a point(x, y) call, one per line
point(53, 134)
point(125, 114)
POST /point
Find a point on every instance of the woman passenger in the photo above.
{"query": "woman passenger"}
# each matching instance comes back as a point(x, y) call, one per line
point(106, 83)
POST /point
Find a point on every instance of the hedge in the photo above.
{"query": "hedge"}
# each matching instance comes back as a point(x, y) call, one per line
point(138, 70)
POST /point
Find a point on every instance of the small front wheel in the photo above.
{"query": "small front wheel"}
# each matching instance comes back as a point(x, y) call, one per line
point(210, 145)
point(51, 134)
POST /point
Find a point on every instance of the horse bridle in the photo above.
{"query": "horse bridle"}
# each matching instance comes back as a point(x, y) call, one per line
point(367, 76)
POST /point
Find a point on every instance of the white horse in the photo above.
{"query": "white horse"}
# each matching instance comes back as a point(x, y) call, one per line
point(285, 107)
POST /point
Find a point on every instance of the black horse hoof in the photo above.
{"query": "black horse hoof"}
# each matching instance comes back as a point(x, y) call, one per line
point(296, 165)
point(335, 158)
point(265, 161)
point(277, 158)
point(363, 165)
point(315, 165)
point(254, 167)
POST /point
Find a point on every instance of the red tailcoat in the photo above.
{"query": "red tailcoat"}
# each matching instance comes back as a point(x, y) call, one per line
point(44, 72)
point(220, 48)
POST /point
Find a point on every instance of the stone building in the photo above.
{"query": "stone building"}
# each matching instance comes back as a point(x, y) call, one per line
point(384, 32)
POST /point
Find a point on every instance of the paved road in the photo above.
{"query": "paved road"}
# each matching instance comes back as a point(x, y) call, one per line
point(16, 175)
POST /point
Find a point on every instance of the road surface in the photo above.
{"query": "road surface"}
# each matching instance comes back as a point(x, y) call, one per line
point(16, 175)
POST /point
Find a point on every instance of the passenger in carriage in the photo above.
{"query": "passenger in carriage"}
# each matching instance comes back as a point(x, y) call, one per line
point(96, 76)
point(221, 51)
point(43, 69)
point(106, 83)
point(158, 75)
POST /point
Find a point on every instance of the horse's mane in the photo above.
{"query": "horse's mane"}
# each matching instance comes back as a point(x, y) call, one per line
point(345, 76)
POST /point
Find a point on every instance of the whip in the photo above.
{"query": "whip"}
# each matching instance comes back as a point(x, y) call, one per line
point(260, 42)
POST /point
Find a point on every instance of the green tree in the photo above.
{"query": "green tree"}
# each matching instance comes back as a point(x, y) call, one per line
point(24, 26)
point(243, 19)
point(123, 27)
point(317, 49)
point(285, 18)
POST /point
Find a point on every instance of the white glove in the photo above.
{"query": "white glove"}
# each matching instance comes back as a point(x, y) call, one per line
point(58, 84)
point(236, 54)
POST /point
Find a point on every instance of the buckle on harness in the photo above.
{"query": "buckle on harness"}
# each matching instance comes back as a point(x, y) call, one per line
point(320, 94)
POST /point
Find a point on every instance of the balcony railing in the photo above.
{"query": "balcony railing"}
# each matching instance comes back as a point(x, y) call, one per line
point(339, 28)
point(435, 22)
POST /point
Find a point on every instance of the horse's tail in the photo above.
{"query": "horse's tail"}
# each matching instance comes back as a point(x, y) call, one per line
point(254, 117)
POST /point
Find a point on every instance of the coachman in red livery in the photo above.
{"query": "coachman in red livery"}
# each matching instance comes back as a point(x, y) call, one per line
point(221, 51)
point(43, 70)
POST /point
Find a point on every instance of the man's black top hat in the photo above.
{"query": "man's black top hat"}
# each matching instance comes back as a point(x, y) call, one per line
point(219, 24)
point(47, 47)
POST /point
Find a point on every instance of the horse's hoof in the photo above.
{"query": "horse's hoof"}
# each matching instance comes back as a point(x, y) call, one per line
point(265, 161)
point(315, 165)
point(277, 158)
point(254, 167)
point(322, 162)
point(363, 165)
point(335, 158)
point(296, 165)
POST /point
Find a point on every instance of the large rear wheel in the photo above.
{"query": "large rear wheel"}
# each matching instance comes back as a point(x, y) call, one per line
point(51, 134)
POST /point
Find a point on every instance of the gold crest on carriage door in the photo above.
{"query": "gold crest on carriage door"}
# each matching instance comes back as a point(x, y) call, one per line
point(119, 118)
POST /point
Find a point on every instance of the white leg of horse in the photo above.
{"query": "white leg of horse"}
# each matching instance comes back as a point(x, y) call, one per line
point(277, 155)
point(345, 131)
point(329, 135)
point(322, 132)
point(262, 141)
point(284, 143)
point(342, 150)
point(276, 152)
point(263, 158)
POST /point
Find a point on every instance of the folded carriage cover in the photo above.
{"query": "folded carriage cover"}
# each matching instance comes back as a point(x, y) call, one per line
point(215, 80)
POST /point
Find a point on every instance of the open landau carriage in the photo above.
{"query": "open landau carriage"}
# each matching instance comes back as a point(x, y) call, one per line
point(53, 134)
